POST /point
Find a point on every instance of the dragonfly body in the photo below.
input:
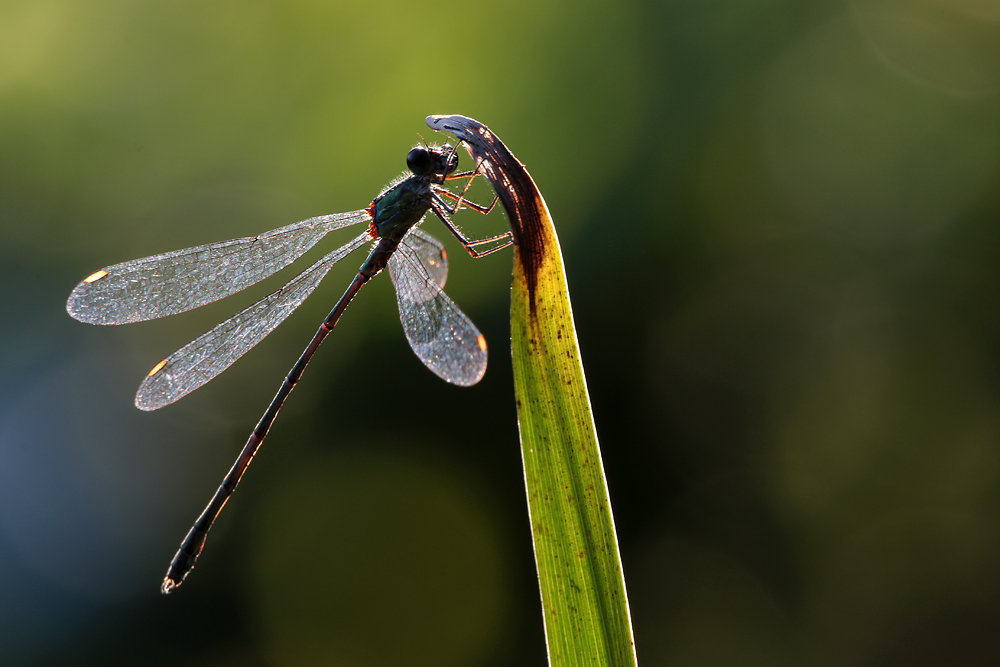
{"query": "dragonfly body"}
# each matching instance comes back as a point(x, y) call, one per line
point(440, 334)
point(395, 211)
point(400, 207)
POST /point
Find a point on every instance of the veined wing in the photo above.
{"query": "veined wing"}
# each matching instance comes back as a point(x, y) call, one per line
point(430, 253)
point(441, 335)
point(161, 285)
point(208, 355)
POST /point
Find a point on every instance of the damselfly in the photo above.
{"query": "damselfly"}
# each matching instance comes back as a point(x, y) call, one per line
point(440, 334)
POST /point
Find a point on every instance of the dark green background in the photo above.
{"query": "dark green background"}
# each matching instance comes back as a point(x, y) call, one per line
point(780, 224)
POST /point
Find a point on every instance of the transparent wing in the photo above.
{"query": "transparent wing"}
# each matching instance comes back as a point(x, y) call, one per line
point(440, 334)
point(205, 357)
point(151, 287)
point(430, 253)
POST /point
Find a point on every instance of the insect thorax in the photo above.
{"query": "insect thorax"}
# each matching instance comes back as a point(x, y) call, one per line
point(400, 207)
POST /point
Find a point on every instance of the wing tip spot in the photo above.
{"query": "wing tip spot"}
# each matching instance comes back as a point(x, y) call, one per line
point(156, 369)
point(482, 342)
point(444, 255)
point(95, 276)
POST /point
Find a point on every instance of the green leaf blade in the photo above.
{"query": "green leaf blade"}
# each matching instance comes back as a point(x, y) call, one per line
point(584, 599)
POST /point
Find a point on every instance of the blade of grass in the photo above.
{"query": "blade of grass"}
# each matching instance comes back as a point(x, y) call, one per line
point(584, 602)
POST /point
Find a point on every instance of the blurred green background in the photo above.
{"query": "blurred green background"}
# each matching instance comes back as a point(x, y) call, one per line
point(779, 220)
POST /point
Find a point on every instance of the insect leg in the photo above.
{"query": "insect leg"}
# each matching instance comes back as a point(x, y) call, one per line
point(441, 211)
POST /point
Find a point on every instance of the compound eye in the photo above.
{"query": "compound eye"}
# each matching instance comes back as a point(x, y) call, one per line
point(419, 161)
